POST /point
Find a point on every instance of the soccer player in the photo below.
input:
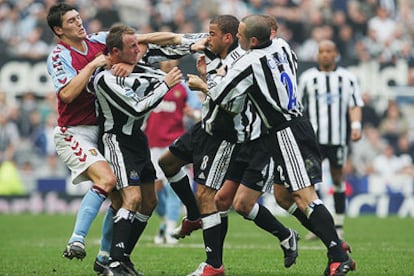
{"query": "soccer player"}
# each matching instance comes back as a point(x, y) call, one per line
point(178, 106)
point(330, 94)
point(123, 103)
point(267, 76)
point(217, 141)
point(71, 64)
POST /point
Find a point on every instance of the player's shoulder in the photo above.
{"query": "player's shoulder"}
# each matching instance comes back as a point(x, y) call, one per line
point(310, 72)
point(345, 72)
point(234, 55)
point(99, 37)
point(58, 53)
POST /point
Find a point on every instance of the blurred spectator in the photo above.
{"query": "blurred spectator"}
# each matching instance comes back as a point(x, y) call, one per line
point(369, 113)
point(32, 47)
point(388, 164)
point(27, 105)
point(405, 146)
point(9, 138)
point(382, 25)
point(10, 182)
point(393, 124)
point(107, 14)
point(364, 151)
point(11, 30)
point(309, 49)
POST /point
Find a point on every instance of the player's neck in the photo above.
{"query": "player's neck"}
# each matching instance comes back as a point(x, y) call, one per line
point(76, 44)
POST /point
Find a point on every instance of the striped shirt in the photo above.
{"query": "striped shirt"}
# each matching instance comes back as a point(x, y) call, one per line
point(240, 127)
point(267, 77)
point(326, 97)
point(123, 101)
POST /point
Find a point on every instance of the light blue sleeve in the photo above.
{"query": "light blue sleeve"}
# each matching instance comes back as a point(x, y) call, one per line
point(193, 100)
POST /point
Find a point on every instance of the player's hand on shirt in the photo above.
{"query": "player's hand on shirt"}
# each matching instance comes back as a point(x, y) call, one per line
point(122, 69)
point(201, 65)
point(173, 77)
point(199, 45)
point(99, 61)
point(196, 83)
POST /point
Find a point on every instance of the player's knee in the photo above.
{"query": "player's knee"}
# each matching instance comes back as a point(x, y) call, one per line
point(222, 202)
point(168, 167)
point(149, 205)
point(242, 208)
point(284, 202)
point(108, 182)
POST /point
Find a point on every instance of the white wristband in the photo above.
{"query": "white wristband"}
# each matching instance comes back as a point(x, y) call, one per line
point(356, 125)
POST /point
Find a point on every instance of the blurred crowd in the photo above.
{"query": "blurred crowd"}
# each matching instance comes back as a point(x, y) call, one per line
point(363, 30)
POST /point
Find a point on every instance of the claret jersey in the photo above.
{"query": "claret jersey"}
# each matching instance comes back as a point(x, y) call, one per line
point(63, 64)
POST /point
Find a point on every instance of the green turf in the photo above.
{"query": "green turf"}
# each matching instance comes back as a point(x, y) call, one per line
point(32, 245)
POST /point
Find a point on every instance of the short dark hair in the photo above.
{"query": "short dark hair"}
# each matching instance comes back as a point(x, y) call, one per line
point(227, 24)
point(114, 38)
point(56, 13)
point(257, 26)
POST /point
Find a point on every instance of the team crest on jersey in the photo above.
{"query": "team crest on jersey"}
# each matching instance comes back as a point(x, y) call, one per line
point(133, 175)
point(93, 152)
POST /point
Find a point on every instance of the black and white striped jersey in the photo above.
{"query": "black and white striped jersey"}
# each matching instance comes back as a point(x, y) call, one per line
point(267, 77)
point(326, 97)
point(240, 127)
point(156, 53)
point(124, 101)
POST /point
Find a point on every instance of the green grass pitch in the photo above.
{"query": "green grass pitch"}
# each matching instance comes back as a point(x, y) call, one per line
point(33, 245)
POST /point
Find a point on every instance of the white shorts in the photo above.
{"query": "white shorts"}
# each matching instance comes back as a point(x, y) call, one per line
point(77, 148)
point(155, 155)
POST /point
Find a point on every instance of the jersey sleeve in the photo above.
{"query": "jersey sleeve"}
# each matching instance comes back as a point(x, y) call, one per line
point(59, 66)
point(356, 97)
point(99, 37)
point(156, 53)
point(230, 91)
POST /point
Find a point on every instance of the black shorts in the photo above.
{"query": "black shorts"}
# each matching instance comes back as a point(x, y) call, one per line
point(336, 154)
point(253, 165)
point(210, 155)
point(297, 156)
point(130, 158)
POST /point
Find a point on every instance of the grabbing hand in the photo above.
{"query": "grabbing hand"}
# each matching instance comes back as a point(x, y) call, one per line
point(99, 61)
point(122, 69)
point(196, 83)
point(173, 77)
point(201, 65)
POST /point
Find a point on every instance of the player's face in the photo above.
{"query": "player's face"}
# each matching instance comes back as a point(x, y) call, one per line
point(241, 35)
point(216, 40)
point(72, 26)
point(326, 56)
point(130, 51)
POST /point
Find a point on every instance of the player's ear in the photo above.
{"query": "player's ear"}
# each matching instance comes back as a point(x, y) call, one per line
point(57, 30)
point(254, 42)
